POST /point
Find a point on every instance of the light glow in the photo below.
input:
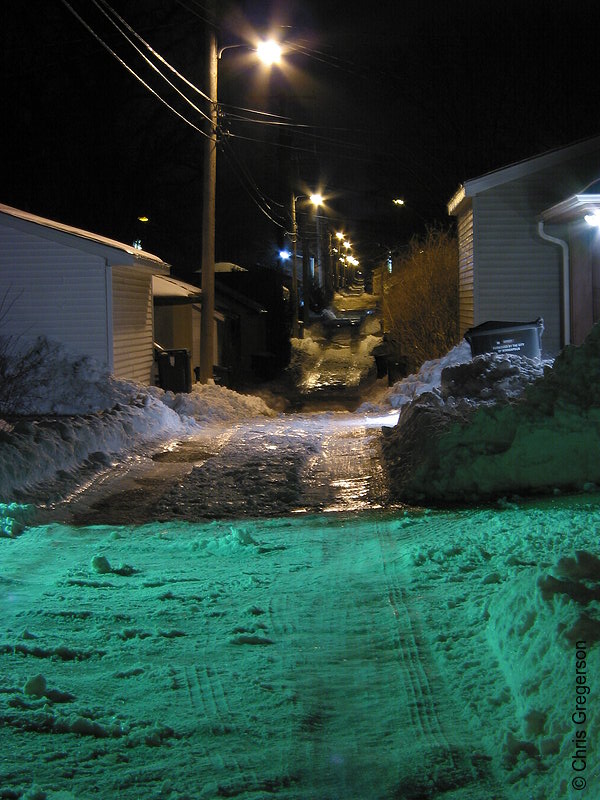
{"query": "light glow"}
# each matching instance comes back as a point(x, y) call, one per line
point(284, 255)
point(269, 52)
point(316, 199)
point(398, 201)
point(593, 219)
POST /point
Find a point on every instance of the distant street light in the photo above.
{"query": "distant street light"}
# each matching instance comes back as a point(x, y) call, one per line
point(316, 200)
point(398, 202)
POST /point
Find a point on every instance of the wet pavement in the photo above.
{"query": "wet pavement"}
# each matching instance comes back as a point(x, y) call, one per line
point(294, 463)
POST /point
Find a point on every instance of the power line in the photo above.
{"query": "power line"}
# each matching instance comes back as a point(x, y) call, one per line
point(155, 54)
point(131, 71)
point(206, 11)
point(249, 185)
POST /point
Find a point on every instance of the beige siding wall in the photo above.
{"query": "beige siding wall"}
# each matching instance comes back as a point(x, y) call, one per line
point(518, 274)
point(132, 324)
point(56, 291)
point(465, 270)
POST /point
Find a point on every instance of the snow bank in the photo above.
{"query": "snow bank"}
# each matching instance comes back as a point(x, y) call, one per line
point(39, 450)
point(319, 363)
point(517, 611)
point(79, 418)
point(428, 378)
point(212, 403)
point(46, 379)
point(448, 446)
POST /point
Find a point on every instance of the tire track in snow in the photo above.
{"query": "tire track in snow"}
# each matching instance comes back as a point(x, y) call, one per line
point(436, 722)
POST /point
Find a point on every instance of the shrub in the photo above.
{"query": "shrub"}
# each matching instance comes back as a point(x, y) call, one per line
point(420, 299)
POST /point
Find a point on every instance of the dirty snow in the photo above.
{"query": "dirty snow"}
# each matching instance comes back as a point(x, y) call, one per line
point(78, 418)
point(408, 654)
point(466, 442)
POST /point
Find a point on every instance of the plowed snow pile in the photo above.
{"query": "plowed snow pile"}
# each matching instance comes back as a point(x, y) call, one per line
point(81, 419)
point(498, 426)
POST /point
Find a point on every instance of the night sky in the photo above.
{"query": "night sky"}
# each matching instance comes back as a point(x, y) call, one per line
point(381, 100)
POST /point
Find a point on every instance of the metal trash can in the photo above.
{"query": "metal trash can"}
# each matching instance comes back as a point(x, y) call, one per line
point(174, 370)
point(516, 338)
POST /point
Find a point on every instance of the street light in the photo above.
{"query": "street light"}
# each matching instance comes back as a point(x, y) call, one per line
point(269, 52)
point(207, 333)
point(317, 200)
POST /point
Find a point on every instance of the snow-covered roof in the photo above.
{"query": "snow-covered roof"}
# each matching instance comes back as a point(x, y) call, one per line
point(168, 288)
point(115, 252)
point(520, 169)
point(228, 266)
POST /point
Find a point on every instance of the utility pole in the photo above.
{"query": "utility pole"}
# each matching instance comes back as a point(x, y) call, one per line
point(295, 327)
point(207, 330)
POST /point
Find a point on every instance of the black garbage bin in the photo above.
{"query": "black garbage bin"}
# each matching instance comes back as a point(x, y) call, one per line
point(517, 338)
point(397, 368)
point(174, 372)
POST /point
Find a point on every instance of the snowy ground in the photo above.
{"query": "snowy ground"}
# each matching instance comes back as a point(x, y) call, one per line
point(80, 422)
point(380, 655)
point(415, 655)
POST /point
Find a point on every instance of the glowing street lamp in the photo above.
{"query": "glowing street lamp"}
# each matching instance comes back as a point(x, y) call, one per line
point(207, 332)
point(269, 52)
point(316, 199)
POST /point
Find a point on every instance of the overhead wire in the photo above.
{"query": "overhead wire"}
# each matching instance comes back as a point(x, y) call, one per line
point(154, 53)
point(206, 18)
point(132, 71)
point(250, 186)
point(269, 202)
point(258, 117)
point(264, 204)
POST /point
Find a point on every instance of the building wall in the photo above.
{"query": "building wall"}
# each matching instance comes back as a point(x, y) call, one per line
point(465, 270)
point(133, 349)
point(518, 276)
point(53, 290)
point(178, 326)
point(173, 326)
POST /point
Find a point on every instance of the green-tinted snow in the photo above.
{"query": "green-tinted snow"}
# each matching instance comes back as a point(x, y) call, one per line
point(400, 656)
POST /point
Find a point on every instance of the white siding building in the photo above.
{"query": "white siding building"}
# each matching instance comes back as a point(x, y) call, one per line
point(92, 294)
point(509, 268)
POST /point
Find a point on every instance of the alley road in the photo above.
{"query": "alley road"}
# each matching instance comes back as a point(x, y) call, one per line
point(266, 467)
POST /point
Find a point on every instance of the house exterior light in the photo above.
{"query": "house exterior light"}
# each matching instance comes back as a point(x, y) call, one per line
point(593, 219)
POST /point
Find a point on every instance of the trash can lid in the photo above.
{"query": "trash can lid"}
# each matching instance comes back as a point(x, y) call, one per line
point(496, 326)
